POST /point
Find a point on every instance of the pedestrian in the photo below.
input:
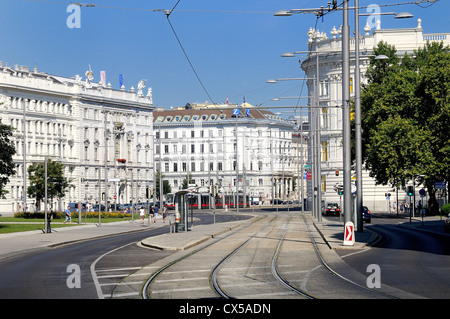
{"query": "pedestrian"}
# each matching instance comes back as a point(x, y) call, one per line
point(142, 214)
point(155, 211)
point(164, 214)
point(401, 207)
point(68, 215)
point(152, 214)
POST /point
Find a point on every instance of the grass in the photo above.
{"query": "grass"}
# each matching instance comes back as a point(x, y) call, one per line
point(17, 224)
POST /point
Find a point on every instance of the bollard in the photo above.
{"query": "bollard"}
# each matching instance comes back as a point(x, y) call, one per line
point(49, 221)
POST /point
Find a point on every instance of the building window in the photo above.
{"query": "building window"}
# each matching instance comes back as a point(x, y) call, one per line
point(175, 167)
point(166, 166)
point(192, 148)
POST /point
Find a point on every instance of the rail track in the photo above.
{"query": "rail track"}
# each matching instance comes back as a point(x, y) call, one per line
point(275, 256)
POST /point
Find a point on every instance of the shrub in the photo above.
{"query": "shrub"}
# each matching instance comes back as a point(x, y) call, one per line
point(62, 215)
point(445, 209)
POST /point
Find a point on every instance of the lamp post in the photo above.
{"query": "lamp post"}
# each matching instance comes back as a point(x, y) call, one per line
point(346, 100)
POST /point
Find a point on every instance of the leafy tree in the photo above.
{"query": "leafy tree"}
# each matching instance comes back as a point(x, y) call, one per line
point(405, 115)
point(56, 182)
point(166, 185)
point(185, 185)
point(7, 167)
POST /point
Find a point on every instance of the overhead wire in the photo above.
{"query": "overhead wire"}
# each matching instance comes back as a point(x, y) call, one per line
point(168, 13)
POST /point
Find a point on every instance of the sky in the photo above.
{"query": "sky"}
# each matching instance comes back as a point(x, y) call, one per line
point(233, 46)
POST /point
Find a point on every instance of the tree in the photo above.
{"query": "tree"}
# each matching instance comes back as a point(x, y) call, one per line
point(185, 185)
point(405, 114)
point(56, 182)
point(6, 161)
point(166, 185)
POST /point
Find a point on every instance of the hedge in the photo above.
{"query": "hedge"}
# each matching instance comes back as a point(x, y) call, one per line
point(445, 209)
point(61, 215)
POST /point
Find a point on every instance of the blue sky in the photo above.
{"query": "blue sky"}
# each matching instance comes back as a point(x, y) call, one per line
point(234, 45)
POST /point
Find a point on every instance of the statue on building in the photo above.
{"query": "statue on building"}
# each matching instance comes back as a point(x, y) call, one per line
point(141, 87)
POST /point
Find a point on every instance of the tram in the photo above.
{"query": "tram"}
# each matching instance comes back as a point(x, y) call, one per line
point(202, 201)
point(170, 201)
point(229, 200)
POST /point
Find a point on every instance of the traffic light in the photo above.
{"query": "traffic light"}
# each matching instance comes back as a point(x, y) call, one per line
point(340, 192)
point(337, 173)
point(410, 191)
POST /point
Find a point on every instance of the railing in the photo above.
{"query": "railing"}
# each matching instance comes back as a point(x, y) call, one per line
point(436, 37)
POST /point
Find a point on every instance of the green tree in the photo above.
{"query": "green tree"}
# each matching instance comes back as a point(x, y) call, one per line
point(185, 185)
point(166, 185)
point(56, 182)
point(7, 167)
point(405, 114)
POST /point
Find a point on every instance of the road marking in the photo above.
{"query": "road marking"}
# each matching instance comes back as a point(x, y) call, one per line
point(94, 275)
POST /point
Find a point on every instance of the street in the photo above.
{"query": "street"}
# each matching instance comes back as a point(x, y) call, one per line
point(411, 261)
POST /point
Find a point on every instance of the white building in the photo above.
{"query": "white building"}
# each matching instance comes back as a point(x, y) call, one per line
point(72, 120)
point(201, 140)
point(330, 91)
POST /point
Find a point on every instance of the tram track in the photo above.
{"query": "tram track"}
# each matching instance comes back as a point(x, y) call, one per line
point(256, 240)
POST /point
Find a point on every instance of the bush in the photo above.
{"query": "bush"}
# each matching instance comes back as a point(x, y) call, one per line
point(62, 215)
point(445, 209)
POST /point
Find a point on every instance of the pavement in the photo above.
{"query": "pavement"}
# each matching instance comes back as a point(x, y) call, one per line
point(330, 230)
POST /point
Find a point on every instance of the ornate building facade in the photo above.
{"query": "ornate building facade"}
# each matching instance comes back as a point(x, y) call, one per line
point(330, 94)
point(250, 152)
point(103, 136)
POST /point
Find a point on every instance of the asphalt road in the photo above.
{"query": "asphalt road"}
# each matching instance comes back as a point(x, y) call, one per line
point(411, 260)
point(45, 274)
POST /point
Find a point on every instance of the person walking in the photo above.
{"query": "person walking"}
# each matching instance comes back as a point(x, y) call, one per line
point(142, 214)
point(68, 215)
point(164, 214)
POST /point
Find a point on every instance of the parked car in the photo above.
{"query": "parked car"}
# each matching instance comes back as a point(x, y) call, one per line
point(95, 208)
point(366, 215)
point(276, 201)
point(331, 209)
point(74, 207)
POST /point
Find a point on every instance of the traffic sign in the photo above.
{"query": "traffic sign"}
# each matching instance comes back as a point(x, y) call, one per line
point(440, 185)
point(236, 112)
point(349, 234)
